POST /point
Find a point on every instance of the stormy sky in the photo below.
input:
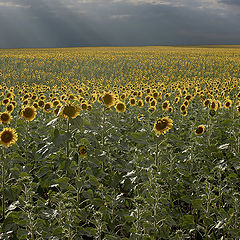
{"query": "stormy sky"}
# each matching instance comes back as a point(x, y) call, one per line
point(76, 23)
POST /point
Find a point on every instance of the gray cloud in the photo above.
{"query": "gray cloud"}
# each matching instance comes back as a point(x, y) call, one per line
point(230, 2)
point(66, 23)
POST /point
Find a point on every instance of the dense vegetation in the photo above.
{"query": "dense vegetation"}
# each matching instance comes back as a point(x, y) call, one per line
point(120, 143)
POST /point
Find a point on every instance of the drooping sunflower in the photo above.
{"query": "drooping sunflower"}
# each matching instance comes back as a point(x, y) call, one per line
point(120, 107)
point(163, 125)
point(8, 136)
point(69, 111)
point(5, 117)
point(29, 113)
point(199, 130)
point(83, 151)
point(108, 99)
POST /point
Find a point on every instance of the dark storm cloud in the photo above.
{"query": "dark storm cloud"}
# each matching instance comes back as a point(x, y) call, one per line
point(230, 2)
point(68, 23)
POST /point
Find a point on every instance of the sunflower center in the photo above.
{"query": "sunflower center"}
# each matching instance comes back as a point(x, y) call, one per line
point(6, 137)
point(28, 112)
point(4, 117)
point(120, 106)
point(161, 125)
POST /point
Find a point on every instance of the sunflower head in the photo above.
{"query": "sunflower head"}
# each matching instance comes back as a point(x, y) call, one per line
point(69, 111)
point(83, 151)
point(163, 125)
point(140, 103)
point(108, 99)
point(29, 113)
point(8, 136)
point(120, 107)
point(228, 103)
point(165, 105)
point(5, 117)
point(10, 107)
point(199, 130)
point(84, 106)
point(132, 101)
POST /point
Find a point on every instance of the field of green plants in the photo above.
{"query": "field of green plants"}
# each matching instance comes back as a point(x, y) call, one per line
point(120, 143)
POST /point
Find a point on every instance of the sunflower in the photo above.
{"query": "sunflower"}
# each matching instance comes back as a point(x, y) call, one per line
point(207, 102)
point(140, 103)
point(47, 107)
point(153, 103)
point(10, 107)
point(83, 151)
point(84, 106)
point(152, 109)
point(69, 111)
point(185, 113)
point(5, 117)
point(132, 101)
point(170, 109)
point(183, 108)
point(108, 99)
point(120, 107)
point(161, 126)
point(165, 105)
point(176, 100)
point(41, 103)
point(200, 130)
point(214, 105)
point(29, 113)
point(8, 136)
point(89, 107)
point(5, 101)
point(238, 109)
point(228, 103)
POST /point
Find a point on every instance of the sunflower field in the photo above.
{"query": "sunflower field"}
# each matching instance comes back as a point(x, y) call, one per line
point(120, 143)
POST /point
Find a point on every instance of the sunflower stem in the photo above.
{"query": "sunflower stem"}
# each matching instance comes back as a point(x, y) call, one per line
point(3, 185)
point(68, 131)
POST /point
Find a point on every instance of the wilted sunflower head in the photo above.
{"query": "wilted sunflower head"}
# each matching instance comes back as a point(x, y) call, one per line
point(5, 117)
point(200, 130)
point(29, 113)
point(8, 136)
point(120, 107)
point(161, 126)
point(83, 151)
point(108, 99)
